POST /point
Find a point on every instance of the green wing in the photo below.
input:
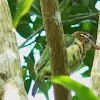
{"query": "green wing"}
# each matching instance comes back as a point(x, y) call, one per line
point(44, 61)
point(40, 68)
point(43, 66)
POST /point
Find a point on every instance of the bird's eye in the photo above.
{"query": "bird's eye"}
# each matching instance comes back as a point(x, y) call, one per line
point(90, 37)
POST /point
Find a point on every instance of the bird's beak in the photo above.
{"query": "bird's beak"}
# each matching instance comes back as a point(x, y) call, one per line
point(94, 46)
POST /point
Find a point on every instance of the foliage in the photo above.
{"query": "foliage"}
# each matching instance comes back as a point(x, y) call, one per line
point(81, 91)
point(23, 7)
point(77, 15)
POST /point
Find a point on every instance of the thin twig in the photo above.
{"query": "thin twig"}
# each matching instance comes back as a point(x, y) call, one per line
point(79, 14)
point(37, 31)
point(79, 18)
point(86, 5)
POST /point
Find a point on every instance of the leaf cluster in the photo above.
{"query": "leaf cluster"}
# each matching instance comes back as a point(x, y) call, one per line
point(77, 15)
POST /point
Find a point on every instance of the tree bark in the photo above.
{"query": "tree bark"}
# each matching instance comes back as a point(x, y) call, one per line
point(55, 39)
point(11, 80)
point(95, 73)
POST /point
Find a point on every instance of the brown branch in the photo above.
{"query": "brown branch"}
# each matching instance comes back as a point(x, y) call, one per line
point(55, 39)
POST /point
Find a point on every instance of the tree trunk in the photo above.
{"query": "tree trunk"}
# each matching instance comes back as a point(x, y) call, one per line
point(11, 80)
point(95, 73)
point(55, 39)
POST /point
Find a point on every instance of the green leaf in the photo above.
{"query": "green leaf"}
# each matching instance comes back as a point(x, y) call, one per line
point(44, 87)
point(24, 30)
point(12, 5)
point(82, 92)
point(27, 85)
point(37, 46)
point(92, 5)
point(89, 58)
point(82, 2)
point(75, 98)
point(42, 40)
point(31, 55)
point(35, 9)
point(78, 9)
point(86, 26)
point(37, 24)
point(23, 7)
point(86, 73)
point(65, 9)
point(30, 65)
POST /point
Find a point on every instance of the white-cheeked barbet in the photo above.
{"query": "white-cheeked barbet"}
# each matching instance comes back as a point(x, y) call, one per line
point(76, 46)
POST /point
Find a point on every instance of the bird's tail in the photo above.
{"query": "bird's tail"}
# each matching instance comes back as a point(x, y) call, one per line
point(36, 86)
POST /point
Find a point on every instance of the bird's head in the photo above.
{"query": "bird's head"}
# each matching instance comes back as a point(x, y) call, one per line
point(86, 39)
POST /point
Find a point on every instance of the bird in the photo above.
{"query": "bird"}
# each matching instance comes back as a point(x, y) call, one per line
point(76, 44)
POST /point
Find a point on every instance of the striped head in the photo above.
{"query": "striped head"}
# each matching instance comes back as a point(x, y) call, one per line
point(86, 39)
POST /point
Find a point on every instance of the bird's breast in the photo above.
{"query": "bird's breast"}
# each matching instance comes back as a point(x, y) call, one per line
point(75, 56)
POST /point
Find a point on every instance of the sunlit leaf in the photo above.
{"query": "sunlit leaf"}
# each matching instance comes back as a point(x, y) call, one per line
point(23, 7)
point(82, 92)
point(86, 26)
